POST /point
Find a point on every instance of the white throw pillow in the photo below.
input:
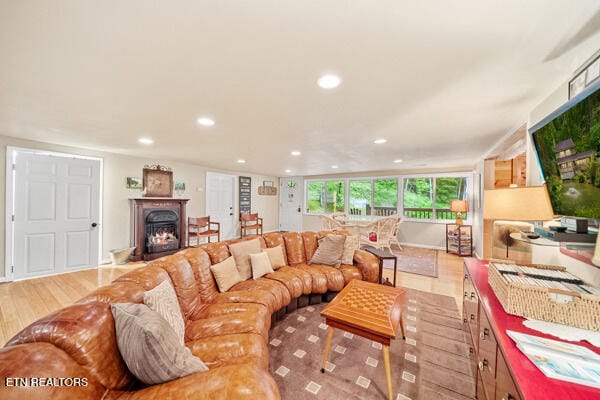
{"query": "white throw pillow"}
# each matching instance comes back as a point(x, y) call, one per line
point(260, 265)
point(226, 274)
point(163, 300)
point(276, 256)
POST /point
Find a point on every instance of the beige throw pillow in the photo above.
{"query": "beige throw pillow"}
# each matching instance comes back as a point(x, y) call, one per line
point(350, 245)
point(226, 274)
point(149, 346)
point(163, 300)
point(260, 265)
point(241, 252)
point(276, 256)
point(329, 251)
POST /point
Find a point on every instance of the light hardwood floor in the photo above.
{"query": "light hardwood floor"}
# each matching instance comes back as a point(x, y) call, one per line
point(24, 302)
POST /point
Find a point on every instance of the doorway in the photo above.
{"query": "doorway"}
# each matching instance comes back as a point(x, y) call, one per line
point(52, 213)
point(290, 204)
point(220, 190)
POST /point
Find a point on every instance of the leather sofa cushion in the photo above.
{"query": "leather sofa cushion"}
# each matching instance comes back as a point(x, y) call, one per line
point(226, 274)
point(329, 251)
point(261, 265)
point(241, 253)
point(163, 300)
point(150, 347)
point(276, 256)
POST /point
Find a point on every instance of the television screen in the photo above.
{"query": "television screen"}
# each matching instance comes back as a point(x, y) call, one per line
point(567, 145)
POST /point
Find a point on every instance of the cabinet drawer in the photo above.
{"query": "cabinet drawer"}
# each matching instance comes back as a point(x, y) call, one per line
point(480, 389)
point(486, 338)
point(505, 386)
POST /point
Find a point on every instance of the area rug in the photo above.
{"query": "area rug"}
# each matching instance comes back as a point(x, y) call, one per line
point(415, 260)
point(432, 363)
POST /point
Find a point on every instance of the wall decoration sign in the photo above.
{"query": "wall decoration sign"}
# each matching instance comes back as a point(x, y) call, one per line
point(157, 181)
point(245, 195)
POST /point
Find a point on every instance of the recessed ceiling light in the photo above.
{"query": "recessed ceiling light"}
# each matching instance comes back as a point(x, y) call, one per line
point(287, 171)
point(397, 161)
point(334, 166)
point(329, 81)
point(145, 140)
point(379, 141)
point(241, 161)
point(205, 121)
point(296, 153)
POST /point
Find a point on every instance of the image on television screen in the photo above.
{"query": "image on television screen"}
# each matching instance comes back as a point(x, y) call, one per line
point(568, 147)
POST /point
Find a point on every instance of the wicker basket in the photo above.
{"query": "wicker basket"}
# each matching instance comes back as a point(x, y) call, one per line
point(568, 308)
point(120, 256)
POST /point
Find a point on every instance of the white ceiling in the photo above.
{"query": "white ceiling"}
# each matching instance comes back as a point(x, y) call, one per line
point(442, 81)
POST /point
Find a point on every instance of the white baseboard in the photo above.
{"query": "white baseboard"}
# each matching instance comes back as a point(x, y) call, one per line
point(3, 279)
point(423, 246)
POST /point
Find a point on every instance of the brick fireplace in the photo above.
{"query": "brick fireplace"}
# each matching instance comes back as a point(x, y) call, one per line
point(157, 227)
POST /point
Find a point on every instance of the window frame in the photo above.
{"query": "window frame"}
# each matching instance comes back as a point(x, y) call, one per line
point(400, 201)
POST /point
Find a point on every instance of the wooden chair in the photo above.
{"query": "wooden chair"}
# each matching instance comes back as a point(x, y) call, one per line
point(251, 222)
point(202, 227)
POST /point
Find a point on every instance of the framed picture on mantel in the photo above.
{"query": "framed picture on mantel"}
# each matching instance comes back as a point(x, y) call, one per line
point(157, 181)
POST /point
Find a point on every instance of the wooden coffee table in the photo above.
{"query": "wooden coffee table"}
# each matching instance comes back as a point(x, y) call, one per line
point(369, 310)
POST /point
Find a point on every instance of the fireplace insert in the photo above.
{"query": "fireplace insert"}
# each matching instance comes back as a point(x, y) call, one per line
point(161, 228)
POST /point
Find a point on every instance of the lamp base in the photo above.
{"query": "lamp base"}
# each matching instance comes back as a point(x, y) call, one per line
point(459, 220)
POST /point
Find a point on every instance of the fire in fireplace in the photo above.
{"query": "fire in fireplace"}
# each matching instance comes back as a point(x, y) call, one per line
point(161, 228)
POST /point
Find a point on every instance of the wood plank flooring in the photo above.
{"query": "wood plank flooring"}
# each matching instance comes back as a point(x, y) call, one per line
point(24, 302)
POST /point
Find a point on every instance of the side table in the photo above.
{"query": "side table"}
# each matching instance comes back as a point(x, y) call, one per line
point(383, 255)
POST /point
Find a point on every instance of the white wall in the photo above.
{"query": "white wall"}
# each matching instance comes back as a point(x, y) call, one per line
point(115, 199)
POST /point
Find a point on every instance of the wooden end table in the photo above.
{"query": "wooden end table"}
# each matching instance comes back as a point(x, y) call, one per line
point(383, 255)
point(369, 310)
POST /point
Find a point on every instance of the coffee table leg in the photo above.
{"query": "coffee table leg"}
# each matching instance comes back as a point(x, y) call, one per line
point(388, 373)
point(327, 348)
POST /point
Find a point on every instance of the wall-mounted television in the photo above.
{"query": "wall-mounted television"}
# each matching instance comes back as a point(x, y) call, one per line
point(567, 143)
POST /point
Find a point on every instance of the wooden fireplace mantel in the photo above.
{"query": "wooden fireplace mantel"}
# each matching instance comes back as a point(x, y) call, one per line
point(138, 206)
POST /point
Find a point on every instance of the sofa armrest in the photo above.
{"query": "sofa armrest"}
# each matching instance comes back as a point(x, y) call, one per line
point(241, 382)
point(368, 264)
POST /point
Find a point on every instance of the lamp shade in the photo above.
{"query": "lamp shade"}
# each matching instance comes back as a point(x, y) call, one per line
point(459, 206)
point(530, 203)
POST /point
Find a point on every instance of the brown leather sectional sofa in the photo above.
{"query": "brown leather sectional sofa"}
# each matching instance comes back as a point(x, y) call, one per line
point(228, 331)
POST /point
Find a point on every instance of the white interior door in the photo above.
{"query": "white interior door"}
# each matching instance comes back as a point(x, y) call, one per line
point(220, 192)
point(290, 204)
point(56, 211)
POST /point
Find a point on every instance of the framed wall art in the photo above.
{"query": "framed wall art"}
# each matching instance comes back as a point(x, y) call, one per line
point(157, 181)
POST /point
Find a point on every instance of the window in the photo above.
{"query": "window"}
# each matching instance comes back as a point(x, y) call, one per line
point(423, 198)
point(325, 196)
point(360, 196)
point(429, 197)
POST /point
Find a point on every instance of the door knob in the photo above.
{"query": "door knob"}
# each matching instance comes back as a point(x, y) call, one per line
point(94, 224)
point(299, 210)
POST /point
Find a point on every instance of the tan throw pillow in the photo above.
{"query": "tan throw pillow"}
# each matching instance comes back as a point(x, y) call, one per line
point(226, 274)
point(163, 300)
point(276, 256)
point(241, 252)
point(329, 251)
point(350, 245)
point(149, 346)
point(260, 265)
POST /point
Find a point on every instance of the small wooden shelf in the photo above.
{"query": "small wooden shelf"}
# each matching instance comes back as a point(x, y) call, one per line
point(459, 239)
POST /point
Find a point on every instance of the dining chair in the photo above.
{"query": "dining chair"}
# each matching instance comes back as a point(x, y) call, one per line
point(394, 237)
point(251, 222)
point(331, 224)
point(202, 227)
point(378, 233)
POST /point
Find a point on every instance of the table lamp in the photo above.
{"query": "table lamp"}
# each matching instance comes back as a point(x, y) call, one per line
point(530, 203)
point(459, 207)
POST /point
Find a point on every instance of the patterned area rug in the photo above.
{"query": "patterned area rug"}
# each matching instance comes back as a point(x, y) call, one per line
point(433, 362)
point(415, 260)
